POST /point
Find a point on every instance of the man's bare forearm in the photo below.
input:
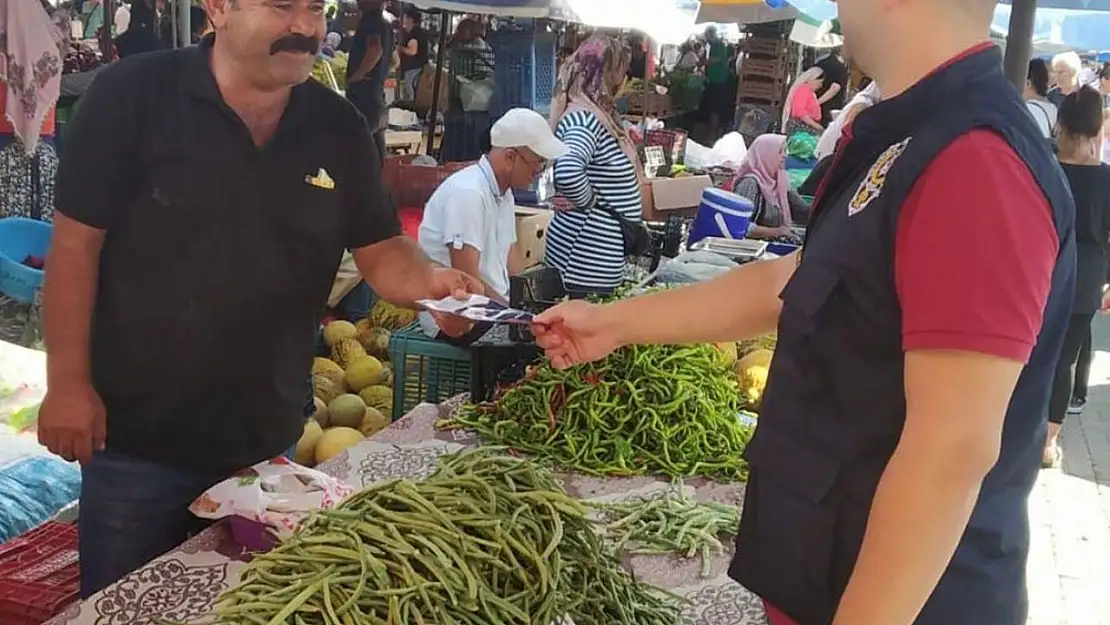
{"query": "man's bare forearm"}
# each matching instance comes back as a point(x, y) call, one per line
point(740, 304)
point(69, 298)
point(396, 269)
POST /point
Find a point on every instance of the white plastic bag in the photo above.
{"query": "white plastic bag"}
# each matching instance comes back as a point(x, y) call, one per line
point(278, 493)
point(729, 149)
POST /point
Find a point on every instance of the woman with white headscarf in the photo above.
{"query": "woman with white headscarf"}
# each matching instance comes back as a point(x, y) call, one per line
point(867, 97)
point(802, 110)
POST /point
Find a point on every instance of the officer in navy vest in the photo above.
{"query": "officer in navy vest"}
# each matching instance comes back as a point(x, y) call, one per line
point(898, 437)
point(826, 434)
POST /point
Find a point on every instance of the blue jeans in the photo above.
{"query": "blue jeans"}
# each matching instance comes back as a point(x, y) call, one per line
point(131, 512)
point(356, 304)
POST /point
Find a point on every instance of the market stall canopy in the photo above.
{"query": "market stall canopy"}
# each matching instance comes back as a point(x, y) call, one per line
point(758, 11)
point(1057, 29)
point(665, 21)
point(1059, 24)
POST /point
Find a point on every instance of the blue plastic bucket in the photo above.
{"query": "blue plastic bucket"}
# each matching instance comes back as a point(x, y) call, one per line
point(721, 214)
point(19, 238)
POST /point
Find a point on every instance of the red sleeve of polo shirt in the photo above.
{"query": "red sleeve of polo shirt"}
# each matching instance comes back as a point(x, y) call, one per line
point(975, 250)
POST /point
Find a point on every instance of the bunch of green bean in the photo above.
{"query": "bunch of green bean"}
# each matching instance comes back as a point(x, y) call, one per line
point(488, 539)
point(670, 524)
point(652, 409)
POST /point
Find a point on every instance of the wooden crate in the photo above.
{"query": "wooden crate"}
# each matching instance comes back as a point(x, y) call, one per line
point(762, 91)
point(774, 69)
point(658, 105)
point(764, 47)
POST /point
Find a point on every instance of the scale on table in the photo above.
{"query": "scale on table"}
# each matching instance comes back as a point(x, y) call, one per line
point(739, 250)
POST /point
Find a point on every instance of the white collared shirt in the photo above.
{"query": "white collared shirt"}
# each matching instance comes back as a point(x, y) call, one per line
point(468, 209)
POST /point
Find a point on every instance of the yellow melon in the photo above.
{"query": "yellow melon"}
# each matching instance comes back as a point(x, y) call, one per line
point(346, 351)
point(363, 372)
point(373, 422)
point(338, 330)
point(336, 441)
point(306, 446)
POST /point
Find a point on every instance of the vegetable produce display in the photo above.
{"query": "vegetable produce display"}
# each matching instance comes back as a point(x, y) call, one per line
point(353, 389)
point(487, 539)
point(338, 65)
point(670, 410)
point(671, 523)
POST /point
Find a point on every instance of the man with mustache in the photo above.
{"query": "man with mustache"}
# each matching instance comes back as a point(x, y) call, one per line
point(204, 202)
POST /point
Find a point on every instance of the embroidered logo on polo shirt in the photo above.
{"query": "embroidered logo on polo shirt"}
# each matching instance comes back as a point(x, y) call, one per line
point(872, 185)
point(321, 180)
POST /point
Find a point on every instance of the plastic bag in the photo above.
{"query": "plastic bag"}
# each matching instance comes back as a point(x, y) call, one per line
point(277, 493)
point(730, 148)
point(476, 95)
point(33, 489)
point(691, 267)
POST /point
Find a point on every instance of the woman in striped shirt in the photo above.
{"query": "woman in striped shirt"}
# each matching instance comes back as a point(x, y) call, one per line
point(600, 176)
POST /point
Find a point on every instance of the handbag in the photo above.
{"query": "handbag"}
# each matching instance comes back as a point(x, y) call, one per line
point(636, 236)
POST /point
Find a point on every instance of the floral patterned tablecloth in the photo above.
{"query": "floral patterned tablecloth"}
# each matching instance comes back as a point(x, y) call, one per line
point(183, 584)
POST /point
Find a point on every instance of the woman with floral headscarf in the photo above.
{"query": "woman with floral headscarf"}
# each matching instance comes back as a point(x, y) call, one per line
point(601, 176)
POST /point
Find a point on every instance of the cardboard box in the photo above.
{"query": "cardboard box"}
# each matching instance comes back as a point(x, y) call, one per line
point(531, 233)
point(678, 193)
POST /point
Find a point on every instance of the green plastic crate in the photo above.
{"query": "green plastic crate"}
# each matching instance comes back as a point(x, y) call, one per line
point(425, 370)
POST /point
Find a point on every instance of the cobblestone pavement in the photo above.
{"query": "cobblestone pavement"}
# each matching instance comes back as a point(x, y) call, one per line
point(1069, 566)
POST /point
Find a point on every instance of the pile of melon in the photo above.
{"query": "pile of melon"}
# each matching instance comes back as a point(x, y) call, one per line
point(752, 366)
point(354, 388)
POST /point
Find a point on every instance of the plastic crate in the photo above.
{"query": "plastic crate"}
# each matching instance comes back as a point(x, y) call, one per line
point(524, 72)
point(673, 141)
point(39, 574)
point(494, 366)
point(416, 183)
point(425, 370)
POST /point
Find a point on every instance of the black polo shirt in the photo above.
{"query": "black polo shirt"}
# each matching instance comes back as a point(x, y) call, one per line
point(218, 256)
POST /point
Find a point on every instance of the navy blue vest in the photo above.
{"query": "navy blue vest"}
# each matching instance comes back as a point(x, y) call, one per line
point(835, 405)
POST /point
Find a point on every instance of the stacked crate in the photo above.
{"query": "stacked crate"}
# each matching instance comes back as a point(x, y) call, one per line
point(769, 63)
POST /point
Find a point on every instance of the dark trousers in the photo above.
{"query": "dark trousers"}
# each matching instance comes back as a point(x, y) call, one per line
point(131, 512)
point(369, 99)
point(1083, 370)
point(1079, 330)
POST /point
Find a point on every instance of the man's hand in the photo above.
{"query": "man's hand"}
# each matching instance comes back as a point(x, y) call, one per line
point(71, 421)
point(574, 333)
point(448, 282)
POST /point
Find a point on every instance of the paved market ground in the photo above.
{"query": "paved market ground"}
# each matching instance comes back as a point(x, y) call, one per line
point(1069, 567)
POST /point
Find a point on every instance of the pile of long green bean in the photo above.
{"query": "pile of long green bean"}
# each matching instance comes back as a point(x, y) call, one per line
point(488, 539)
point(658, 409)
point(670, 524)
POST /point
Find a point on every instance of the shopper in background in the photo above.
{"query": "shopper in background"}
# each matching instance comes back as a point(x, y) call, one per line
point(802, 112)
point(897, 443)
point(92, 15)
point(762, 179)
point(688, 57)
point(179, 166)
point(413, 50)
point(139, 37)
point(1104, 84)
point(600, 176)
point(368, 67)
point(1080, 138)
point(834, 91)
point(637, 67)
point(867, 97)
point(470, 221)
point(1065, 76)
point(715, 106)
point(1036, 97)
point(122, 19)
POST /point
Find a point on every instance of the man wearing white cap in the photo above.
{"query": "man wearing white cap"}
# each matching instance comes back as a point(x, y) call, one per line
point(469, 222)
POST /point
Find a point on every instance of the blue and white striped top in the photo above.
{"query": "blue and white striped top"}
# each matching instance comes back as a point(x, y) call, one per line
point(585, 244)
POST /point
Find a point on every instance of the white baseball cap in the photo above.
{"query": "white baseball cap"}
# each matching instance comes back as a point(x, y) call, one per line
point(525, 128)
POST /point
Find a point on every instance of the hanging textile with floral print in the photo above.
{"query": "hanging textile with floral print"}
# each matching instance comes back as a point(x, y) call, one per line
point(30, 66)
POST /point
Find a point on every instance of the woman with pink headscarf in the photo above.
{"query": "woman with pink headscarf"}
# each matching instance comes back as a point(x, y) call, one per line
point(762, 179)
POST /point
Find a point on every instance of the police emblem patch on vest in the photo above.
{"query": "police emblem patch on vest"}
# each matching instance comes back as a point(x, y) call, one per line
point(872, 185)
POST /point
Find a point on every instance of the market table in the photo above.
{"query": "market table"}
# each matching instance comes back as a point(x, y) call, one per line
point(183, 584)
